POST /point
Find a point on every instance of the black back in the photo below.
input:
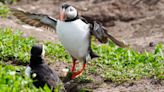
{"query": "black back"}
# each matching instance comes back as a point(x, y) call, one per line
point(44, 75)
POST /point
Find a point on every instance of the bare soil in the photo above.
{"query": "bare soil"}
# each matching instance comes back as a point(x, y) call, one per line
point(137, 22)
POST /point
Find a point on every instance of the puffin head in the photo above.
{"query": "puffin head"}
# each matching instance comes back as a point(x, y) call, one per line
point(37, 50)
point(37, 54)
point(36, 58)
point(68, 12)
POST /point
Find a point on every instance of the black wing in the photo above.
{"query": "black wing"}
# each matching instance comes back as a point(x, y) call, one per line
point(100, 32)
point(102, 35)
point(38, 20)
point(45, 75)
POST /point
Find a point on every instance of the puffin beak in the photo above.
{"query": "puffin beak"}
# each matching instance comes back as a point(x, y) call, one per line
point(62, 14)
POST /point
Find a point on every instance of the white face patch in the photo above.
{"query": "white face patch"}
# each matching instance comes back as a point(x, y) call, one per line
point(43, 50)
point(70, 12)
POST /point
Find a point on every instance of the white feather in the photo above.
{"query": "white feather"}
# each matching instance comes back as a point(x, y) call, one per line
point(74, 36)
point(28, 71)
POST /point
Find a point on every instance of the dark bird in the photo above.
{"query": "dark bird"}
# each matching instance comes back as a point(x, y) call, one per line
point(73, 31)
point(40, 72)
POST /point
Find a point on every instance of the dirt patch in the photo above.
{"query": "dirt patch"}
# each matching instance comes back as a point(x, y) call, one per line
point(144, 85)
point(137, 22)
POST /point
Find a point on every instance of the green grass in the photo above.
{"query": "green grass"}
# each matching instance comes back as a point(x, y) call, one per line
point(56, 52)
point(8, 1)
point(4, 11)
point(14, 47)
point(120, 64)
point(12, 79)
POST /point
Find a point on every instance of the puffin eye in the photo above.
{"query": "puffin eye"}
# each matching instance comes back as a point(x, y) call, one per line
point(70, 9)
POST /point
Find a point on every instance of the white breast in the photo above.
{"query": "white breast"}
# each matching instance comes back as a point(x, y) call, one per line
point(74, 36)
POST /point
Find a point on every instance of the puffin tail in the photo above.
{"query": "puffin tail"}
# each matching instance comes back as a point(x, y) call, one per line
point(93, 55)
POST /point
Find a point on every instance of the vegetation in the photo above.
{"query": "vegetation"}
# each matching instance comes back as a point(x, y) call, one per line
point(14, 47)
point(4, 10)
point(8, 1)
point(17, 48)
point(120, 64)
point(115, 64)
point(56, 52)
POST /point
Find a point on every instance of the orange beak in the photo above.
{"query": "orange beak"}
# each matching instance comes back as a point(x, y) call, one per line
point(62, 14)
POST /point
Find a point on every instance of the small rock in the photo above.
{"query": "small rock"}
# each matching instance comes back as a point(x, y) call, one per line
point(151, 44)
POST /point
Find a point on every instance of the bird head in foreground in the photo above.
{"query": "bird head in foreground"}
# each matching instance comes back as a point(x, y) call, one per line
point(37, 50)
point(37, 54)
point(67, 12)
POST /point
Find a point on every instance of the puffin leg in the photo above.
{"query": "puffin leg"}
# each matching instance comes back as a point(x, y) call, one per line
point(75, 74)
point(73, 66)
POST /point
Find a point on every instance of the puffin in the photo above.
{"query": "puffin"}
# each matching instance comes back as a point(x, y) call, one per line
point(74, 32)
point(40, 72)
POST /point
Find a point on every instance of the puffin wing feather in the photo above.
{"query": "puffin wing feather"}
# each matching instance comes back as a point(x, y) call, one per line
point(101, 34)
point(37, 20)
point(116, 41)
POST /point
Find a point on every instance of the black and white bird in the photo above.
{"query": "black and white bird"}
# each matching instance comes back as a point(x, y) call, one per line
point(73, 31)
point(40, 72)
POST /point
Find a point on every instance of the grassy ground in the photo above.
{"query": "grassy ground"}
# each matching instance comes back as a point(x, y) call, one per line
point(115, 64)
point(4, 10)
point(14, 80)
